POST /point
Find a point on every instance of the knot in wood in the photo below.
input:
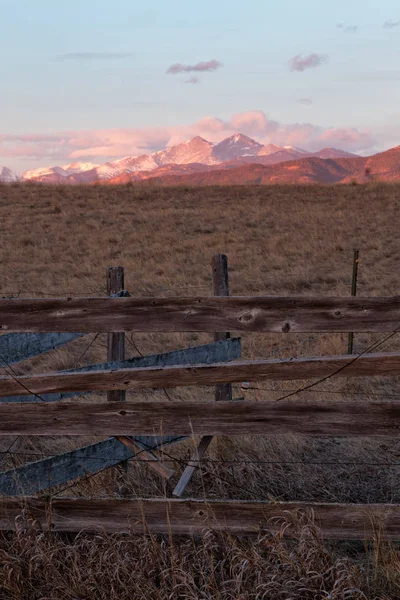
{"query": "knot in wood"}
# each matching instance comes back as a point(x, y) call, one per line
point(246, 317)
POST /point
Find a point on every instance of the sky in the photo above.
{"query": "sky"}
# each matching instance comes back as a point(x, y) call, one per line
point(92, 81)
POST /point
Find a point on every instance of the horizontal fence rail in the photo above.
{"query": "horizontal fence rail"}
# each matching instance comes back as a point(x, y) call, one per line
point(225, 350)
point(297, 314)
point(320, 418)
point(336, 521)
point(383, 364)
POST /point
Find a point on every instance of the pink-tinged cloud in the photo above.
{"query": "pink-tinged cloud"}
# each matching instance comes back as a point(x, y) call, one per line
point(192, 80)
point(108, 144)
point(301, 63)
point(200, 67)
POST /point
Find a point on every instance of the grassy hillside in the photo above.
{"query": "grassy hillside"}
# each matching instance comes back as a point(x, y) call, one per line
point(280, 240)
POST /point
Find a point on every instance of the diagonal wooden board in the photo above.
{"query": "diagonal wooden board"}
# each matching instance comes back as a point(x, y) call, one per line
point(38, 476)
point(58, 470)
point(17, 347)
point(224, 351)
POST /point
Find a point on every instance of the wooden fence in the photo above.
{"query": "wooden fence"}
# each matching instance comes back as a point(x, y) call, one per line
point(33, 404)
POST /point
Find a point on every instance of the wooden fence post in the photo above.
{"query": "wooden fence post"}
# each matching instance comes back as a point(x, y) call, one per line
point(223, 391)
point(353, 293)
point(116, 341)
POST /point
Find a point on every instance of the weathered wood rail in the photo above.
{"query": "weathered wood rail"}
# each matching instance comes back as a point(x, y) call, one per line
point(319, 418)
point(335, 521)
point(298, 314)
point(383, 364)
point(144, 426)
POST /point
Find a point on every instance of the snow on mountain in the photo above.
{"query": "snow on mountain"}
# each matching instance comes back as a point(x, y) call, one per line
point(197, 151)
point(236, 146)
point(295, 150)
point(7, 176)
point(269, 149)
point(79, 167)
point(65, 171)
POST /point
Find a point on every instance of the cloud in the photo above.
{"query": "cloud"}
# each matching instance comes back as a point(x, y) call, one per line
point(305, 101)
point(350, 29)
point(210, 65)
point(390, 24)
point(301, 63)
point(94, 55)
point(108, 144)
point(192, 80)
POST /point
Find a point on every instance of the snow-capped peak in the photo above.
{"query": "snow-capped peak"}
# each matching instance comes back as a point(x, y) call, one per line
point(295, 149)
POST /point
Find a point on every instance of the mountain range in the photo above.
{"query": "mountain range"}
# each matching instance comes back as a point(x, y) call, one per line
point(237, 159)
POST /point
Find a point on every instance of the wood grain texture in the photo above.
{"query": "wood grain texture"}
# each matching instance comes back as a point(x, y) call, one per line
point(224, 351)
point(176, 376)
point(189, 517)
point(275, 314)
point(45, 474)
point(323, 417)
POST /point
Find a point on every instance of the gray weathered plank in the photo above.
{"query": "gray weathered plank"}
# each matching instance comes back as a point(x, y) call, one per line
point(176, 376)
point(189, 517)
point(192, 465)
point(318, 418)
point(17, 347)
point(223, 351)
point(276, 314)
point(57, 470)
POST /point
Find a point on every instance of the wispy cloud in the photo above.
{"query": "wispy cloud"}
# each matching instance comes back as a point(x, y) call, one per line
point(94, 55)
point(305, 101)
point(347, 28)
point(301, 63)
point(390, 24)
point(210, 65)
point(192, 80)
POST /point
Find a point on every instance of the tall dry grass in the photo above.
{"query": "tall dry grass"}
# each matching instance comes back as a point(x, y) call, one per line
point(281, 240)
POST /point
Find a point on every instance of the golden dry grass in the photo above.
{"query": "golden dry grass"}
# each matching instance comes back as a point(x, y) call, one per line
point(281, 240)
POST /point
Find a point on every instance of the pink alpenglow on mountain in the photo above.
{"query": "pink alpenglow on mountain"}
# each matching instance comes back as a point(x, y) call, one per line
point(195, 155)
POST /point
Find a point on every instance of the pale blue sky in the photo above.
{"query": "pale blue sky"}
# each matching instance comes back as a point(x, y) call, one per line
point(41, 93)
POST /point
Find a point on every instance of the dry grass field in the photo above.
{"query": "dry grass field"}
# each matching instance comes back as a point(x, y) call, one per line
point(58, 241)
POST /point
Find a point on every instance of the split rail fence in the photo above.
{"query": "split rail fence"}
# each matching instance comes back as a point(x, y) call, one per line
point(33, 404)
